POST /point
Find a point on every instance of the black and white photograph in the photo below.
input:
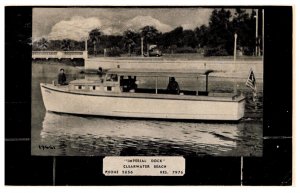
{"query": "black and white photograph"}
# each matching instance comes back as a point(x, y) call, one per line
point(147, 81)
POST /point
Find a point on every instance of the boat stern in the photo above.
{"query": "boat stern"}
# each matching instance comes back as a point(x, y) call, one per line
point(240, 108)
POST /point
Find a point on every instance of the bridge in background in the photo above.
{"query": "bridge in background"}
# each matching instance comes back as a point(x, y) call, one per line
point(59, 54)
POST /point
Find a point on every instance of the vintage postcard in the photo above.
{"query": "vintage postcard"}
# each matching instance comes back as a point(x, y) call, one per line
point(148, 81)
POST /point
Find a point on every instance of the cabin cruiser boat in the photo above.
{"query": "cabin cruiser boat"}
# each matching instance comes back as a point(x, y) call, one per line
point(120, 93)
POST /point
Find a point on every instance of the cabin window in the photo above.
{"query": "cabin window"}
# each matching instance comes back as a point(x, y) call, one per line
point(79, 87)
point(108, 88)
point(92, 87)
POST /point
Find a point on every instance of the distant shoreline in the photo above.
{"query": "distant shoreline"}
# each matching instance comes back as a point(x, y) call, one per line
point(223, 66)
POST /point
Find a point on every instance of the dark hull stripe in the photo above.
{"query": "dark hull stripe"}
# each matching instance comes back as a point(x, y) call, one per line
point(152, 118)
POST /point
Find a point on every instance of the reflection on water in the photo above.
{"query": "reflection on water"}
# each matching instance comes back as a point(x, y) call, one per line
point(61, 134)
point(94, 135)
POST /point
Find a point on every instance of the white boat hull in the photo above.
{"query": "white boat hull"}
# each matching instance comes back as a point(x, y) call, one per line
point(58, 100)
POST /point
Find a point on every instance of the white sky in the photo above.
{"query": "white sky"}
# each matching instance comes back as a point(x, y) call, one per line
point(57, 23)
point(75, 23)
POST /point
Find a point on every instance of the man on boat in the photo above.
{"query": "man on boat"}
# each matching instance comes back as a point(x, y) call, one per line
point(62, 80)
point(173, 86)
point(131, 83)
point(100, 71)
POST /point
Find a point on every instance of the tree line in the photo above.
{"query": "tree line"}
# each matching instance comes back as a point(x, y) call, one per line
point(214, 39)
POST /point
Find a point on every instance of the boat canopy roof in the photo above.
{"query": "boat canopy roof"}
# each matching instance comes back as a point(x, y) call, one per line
point(159, 72)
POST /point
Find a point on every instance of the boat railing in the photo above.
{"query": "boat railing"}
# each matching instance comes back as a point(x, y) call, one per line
point(59, 54)
point(44, 52)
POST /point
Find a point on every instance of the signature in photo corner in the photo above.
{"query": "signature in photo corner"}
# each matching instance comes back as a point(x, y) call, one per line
point(46, 147)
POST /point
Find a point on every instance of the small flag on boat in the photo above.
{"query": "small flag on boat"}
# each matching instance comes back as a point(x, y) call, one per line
point(251, 81)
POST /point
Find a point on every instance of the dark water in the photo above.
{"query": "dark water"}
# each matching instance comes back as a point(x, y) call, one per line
point(61, 134)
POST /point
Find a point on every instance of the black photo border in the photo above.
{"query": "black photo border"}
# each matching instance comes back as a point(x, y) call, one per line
point(273, 168)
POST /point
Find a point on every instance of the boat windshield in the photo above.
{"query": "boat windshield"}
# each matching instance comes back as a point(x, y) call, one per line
point(112, 78)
